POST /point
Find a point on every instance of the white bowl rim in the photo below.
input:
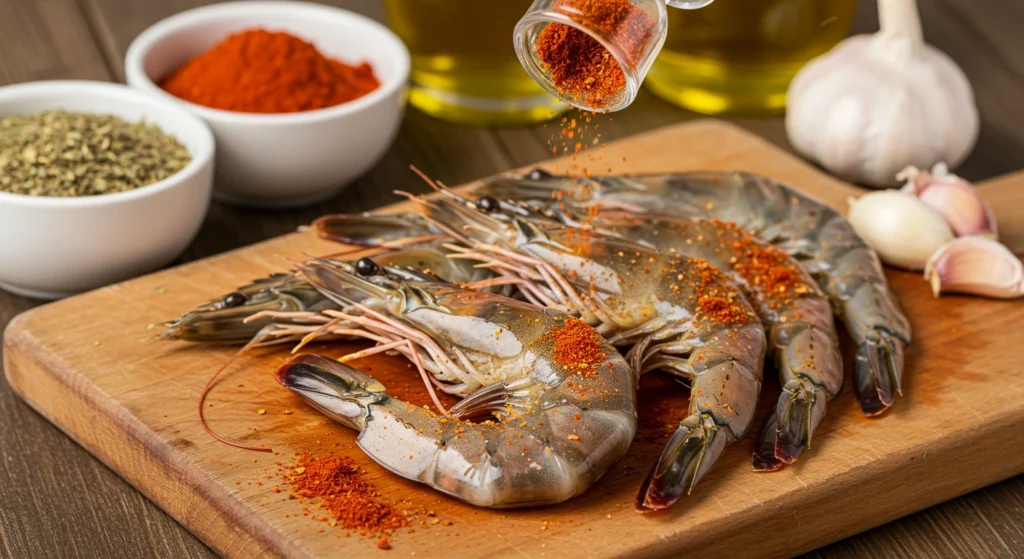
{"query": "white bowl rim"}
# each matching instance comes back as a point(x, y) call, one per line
point(204, 155)
point(143, 43)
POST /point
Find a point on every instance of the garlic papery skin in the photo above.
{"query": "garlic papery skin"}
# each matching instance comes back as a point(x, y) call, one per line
point(977, 266)
point(877, 103)
point(899, 227)
point(956, 199)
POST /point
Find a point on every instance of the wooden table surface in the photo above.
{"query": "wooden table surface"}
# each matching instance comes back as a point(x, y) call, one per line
point(58, 501)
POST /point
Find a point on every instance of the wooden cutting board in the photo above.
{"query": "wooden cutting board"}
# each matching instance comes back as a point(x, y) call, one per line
point(86, 365)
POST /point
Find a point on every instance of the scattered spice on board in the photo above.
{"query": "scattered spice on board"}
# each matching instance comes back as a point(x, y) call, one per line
point(259, 71)
point(661, 405)
point(66, 154)
point(580, 67)
point(344, 491)
point(577, 346)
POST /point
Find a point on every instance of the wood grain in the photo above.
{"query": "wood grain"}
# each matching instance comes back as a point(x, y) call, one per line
point(131, 403)
point(56, 501)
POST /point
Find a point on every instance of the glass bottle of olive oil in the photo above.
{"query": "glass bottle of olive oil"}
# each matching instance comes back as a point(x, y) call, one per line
point(464, 66)
point(738, 56)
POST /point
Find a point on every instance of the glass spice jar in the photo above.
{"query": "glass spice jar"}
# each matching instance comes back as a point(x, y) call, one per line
point(593, 54)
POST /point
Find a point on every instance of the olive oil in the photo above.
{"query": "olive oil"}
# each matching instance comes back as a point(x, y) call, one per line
point(464, 66)
point(738, 56)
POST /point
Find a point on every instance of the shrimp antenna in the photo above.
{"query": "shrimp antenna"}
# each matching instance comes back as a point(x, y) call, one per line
point(206, 390)
point(425, 178)
point(408, 195)
point(286, 259)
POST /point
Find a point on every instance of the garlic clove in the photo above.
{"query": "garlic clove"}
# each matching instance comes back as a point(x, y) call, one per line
point(899, 227)
point(954, 198)
point(975, 265)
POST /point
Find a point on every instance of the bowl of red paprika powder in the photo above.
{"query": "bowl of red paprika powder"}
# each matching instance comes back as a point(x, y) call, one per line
point(302, 98)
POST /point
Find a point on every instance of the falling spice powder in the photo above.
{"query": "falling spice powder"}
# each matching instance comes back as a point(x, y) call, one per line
point(65, 154)
point(580, 67)
point(259, 71)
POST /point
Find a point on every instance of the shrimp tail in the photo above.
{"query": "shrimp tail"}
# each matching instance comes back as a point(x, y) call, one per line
point(811, 372)
point(693, 449)
point(336, 389)
point(878, 371)
point(800, 409)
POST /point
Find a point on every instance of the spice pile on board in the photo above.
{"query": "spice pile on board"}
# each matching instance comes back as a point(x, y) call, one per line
point(344, 492)
point(259, 71)
point(66, 154)
point(580, 67)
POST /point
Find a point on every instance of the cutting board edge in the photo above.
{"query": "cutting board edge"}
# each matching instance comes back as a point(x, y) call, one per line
point(210, 517)
point(36, 379)
point(233, 539)
point(901, 491)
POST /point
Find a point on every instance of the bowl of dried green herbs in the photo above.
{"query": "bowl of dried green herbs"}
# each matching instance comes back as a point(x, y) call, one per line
point(98, 183)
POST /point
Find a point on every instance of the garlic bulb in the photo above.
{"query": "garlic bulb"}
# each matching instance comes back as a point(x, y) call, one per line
point(978, 266)
point(956, 199)
point(899, 227)
point(877, 103)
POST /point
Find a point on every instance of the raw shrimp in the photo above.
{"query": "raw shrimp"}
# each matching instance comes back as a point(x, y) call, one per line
point(679, 314)
point(816, 235)
point(557, 425)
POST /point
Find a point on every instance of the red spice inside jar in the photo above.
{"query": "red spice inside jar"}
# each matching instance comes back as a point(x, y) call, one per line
point(580, 67)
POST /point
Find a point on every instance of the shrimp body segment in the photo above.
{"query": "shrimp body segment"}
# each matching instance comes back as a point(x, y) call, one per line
point(555, 424)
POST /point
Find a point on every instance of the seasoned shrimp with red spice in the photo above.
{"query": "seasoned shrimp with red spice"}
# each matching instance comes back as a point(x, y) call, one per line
point(557, 402)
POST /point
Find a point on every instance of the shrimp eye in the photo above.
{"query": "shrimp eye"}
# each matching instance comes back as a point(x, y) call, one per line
point(539, 174)
point(366, 267)
point(235, 299)
point(488, 204)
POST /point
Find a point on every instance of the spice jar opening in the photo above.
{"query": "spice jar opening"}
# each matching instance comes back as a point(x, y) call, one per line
point(592, 54)
point(527, 33)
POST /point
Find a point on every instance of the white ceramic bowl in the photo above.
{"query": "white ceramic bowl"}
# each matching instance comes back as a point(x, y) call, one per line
point(53, 247)
point(294, 159)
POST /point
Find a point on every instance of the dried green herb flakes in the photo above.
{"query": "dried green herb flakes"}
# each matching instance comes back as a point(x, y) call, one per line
point(62, 153)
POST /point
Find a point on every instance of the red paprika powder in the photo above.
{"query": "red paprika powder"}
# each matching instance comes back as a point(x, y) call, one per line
point(259, 71)
point(579, 65)
point(343, 490)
